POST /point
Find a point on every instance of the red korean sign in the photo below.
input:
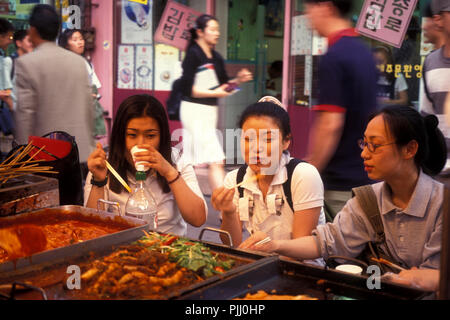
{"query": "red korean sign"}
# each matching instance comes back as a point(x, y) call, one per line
point(173, 29)
point(386, 20)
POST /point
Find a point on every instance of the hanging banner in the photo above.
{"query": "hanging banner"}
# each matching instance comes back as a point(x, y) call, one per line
point(125, 77)
point(136, 22)
point(144, 67)
point(173, 28)
point(386, 20)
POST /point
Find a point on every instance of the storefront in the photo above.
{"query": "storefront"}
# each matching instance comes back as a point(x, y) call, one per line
point(129, 59)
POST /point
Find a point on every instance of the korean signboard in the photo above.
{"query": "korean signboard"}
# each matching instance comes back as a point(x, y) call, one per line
point(175, 23)
point(386, 20)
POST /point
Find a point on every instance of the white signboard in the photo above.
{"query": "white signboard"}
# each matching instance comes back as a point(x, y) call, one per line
point(125, 76)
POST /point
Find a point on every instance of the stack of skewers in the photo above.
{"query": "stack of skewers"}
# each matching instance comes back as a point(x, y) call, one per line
point(20, 163)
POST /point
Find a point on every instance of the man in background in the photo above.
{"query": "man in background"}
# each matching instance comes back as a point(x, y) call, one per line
point(347, 96)
point(53, 92)
point(6, 37)
point(436, 70)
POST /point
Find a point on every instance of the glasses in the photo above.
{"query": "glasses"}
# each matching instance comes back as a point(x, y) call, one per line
point(370, 146)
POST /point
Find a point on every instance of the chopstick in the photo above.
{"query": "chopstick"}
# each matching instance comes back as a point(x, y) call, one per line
point(386, 262)
point(118, 177)
point(265, 240)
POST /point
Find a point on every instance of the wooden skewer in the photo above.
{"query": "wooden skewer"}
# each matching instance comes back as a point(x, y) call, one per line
point(114, 172)
point(265, 240)
point(386, 262)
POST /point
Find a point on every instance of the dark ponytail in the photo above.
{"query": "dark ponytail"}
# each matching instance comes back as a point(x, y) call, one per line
point(200, 24)
point(406, 124)
point(437, 146)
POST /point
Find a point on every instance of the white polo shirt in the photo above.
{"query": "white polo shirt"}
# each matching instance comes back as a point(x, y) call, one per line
point(169, 216)
point(270, 216)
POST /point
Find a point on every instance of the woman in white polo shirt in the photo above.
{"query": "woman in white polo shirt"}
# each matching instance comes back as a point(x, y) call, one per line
point(263, 206)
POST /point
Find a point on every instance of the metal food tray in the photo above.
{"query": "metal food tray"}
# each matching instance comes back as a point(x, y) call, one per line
point(101, 247)
point(283, 277)
point(11, 269)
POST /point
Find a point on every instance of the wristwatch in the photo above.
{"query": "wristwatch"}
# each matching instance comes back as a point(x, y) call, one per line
point(99, 183)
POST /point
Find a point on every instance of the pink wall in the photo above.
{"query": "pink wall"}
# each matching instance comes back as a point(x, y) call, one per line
point(102, 57)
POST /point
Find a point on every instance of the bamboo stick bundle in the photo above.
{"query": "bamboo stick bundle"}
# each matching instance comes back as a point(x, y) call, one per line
point(15, 165)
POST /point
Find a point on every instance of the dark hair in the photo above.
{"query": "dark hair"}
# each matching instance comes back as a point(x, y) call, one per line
point(63, 40)
point(344, 6)
point(427, 13)
point(389, 60)
point(5, 26)
point(200, 24)
point(44, 18)
point(19, 35)
point(269, 109)
point(137, 106)
point(406, 124)
point(277, 65)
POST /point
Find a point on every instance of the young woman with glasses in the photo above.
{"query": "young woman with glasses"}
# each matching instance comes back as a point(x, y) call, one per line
point(401, 150)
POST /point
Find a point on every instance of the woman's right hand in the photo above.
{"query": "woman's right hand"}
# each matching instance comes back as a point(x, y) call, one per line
point(222, 200)
point(97, 163)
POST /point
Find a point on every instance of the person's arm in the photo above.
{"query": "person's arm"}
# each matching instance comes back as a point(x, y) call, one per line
point(401, 92)
point(226, 200)
point(307, 199)
point(26, 103)
point(401, 100)
point(192, 207)
point(324, 137)
point(304, 248)
point(426, 279)
point(305, 221)
point(97, 168)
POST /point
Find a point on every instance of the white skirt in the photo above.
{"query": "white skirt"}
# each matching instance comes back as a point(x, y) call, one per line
point(200, 140)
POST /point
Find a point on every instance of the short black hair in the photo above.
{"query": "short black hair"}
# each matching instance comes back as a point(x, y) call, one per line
point(63, 40)
point(271, 110)
point(19, 35)
point(5, 26)
point(46, 20)
point(344, 6)
point(427, 12)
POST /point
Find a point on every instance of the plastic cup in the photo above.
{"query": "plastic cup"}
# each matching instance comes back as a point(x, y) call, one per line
point(141, 165)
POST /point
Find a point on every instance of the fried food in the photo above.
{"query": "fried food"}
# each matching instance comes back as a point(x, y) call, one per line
point(262, 295)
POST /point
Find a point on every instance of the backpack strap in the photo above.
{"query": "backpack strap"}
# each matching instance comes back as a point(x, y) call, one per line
point(368, 201)
point(290, 167)
point(240, 178)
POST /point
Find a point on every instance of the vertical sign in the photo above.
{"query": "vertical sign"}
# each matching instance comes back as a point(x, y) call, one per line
point(168, 67)
point(386, 20)
point(173, 29)
point(125, 77)
point(144, 67)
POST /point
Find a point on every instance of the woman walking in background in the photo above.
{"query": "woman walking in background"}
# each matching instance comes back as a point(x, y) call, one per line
point(204, 80)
